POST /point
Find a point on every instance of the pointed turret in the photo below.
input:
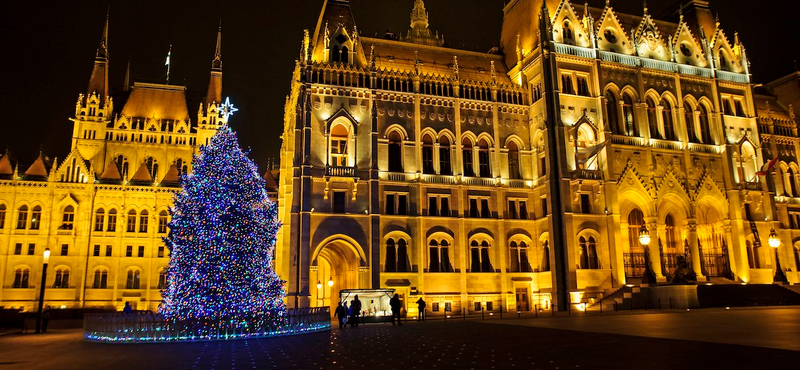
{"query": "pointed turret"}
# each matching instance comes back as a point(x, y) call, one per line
point(419, 32)
point(214, 94)
point(126, 86)
point(98, 83)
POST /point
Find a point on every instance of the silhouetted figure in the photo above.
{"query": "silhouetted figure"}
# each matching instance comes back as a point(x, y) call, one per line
point(396, 305)
point(45, 319)
point(128, 309)
point(355, 311)
point(421, 307)
point(341, 313)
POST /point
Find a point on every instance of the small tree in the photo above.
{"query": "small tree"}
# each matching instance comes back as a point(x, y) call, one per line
point(221, 241)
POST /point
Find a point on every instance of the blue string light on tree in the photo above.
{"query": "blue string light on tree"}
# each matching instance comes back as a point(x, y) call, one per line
point(222, 235)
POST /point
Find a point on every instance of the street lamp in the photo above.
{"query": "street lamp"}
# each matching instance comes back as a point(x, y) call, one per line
point(45, 261)
point(649, 277)
point(775, 242)
point(319, 289)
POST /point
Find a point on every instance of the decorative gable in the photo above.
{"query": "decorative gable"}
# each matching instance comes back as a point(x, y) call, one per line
point(567, 28)
point(724, 57)
point(686, 47)
point(610, 34)
point(74, 169)
point(648, 40)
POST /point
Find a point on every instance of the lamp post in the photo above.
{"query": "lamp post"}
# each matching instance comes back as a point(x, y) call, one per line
point(649, 277)
point(330, 295)
point(775, 242)
point(45, 260)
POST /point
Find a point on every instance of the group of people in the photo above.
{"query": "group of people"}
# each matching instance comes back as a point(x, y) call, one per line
point(351, 314)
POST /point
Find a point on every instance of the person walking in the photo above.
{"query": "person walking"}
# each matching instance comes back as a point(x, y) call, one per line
point(45, 319)
point(396, 305)
point(421, 307)
point(128, 309)
point(355, 311)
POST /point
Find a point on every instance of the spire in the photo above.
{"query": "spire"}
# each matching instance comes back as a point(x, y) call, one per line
point(419, 18)
point(98, 83)
point(217, 63)
point(214, 93)
point(127, 84)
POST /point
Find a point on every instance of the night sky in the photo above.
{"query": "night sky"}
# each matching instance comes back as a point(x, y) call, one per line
point(48, 51)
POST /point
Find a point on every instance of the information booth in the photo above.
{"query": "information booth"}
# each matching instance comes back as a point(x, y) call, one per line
point(374, 303)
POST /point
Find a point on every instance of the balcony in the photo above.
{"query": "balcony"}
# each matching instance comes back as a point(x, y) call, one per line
point(478, 181)
point(636, 61)
point(703, 148)
point(340, 171)
point(628, 140)
point(666, 144)
point(582, 174)
point(439, 179)
point(733, 77)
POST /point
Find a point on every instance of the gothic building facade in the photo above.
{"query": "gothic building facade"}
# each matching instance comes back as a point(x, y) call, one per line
point(103, 210)
point(535, 176)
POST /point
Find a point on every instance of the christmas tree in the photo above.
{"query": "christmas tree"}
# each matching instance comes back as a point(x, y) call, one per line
point(221, 241)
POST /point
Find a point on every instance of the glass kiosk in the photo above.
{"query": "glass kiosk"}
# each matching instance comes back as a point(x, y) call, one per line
point(374, 303)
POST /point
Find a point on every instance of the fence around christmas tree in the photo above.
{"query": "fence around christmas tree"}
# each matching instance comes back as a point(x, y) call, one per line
point(153, 328)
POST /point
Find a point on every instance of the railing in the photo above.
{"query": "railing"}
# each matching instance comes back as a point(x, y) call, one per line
point(658, 64)
point(340, 171)
point(627, 140)
point(666, 144)
point(574, 50)
point(715, 264)
point(733, 77)
point(630, 60)
point(396, 177)
point(439, 179)
point(587, 174)
point(149, 327)
point(703, 148)
point(516, 183)
point(692, 70)
point(478, 181)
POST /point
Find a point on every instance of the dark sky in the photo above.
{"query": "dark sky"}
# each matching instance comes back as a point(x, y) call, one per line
point(48, 50)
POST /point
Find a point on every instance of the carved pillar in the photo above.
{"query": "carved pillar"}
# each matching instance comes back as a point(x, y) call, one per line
point(691, 236)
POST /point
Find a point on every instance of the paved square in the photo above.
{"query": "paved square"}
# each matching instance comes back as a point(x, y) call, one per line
point(704, 339)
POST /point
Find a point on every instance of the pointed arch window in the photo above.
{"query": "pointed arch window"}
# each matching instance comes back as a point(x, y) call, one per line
point(666, 118)
point(340, 137)
point(519, 257)
point(588, 253)
point(568, 36)
point(131, 221)
point(21, 278)
point(183, 168)
point(122, 164)
point(629, 116)
point(427, 155)
point(545, 262)
point(61, 279)
point(688, 114)
point(100, 279)
point(152, 167)
point(439, 256)
point(479, 252)
point(335, 54)
point(2, 216)
point(635, 222)
point(132, 282)
point(705, 128)
point(112, 220)
point(445, 168)
point(143, 221)
point(513, 161)
point(163, 222)
point(99, 218)
point(395, 152)
point(36, 217)
point(391, 256)
point(483, 158)
point(747, 162)
point(22, 217)
point(345, 54)
point(68, 218)
point(793, 182)
point(612, 108)
point(466, 150)
point(652, 118)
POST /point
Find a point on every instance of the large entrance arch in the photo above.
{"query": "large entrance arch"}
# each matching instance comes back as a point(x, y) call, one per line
point(335, 266)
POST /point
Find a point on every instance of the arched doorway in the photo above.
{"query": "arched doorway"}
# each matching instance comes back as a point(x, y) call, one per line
point(711, 241)
point(337, 263)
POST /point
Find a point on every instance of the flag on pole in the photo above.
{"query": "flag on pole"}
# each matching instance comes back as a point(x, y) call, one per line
point(767, 167)
point(169, 53)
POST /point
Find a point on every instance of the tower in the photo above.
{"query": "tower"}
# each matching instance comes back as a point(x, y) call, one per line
point(208, 117)
point(93, 110)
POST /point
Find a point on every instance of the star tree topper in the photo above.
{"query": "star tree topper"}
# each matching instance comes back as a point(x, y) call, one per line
point(227, 109)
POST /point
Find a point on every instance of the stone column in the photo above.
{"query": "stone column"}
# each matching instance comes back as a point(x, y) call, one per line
point(691, 236)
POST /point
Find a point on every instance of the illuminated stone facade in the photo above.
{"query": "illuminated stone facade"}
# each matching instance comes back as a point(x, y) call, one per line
point(524, 177)
point(103, 210)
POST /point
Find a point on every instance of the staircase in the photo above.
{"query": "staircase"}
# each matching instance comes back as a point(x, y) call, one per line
point(623, 297)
